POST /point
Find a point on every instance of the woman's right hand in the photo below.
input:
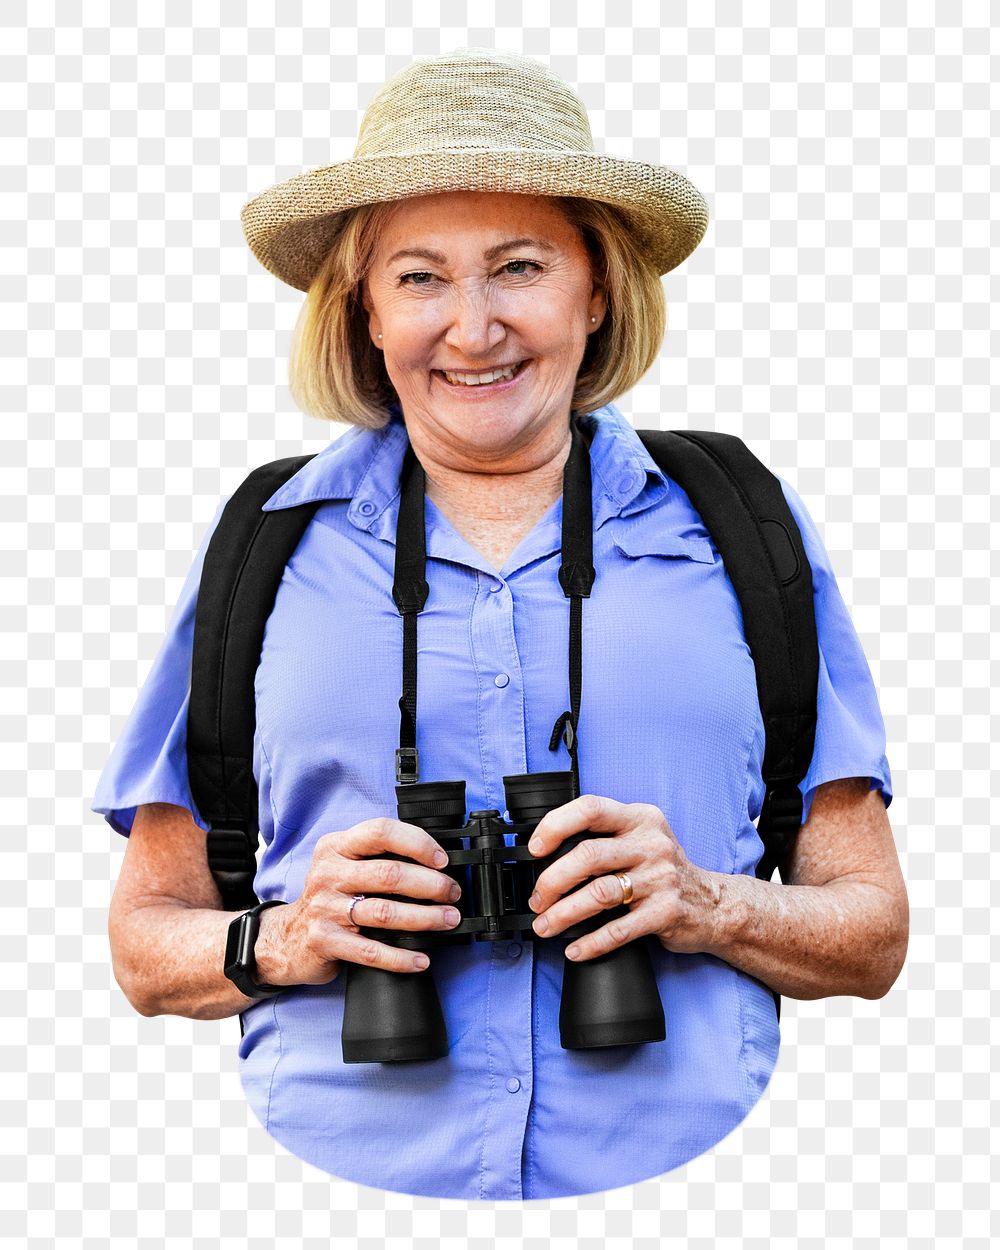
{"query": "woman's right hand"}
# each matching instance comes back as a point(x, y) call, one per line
point(303, 943)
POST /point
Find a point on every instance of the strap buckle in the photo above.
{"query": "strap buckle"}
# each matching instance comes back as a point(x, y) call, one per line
point(407, 765)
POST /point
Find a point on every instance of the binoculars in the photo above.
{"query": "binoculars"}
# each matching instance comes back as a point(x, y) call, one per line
point(609, 1000)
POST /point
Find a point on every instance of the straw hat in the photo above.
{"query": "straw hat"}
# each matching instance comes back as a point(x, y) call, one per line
point(474, 119)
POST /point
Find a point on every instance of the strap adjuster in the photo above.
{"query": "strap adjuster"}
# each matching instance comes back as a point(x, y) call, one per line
point(778, 825)
point(781, 811)
point(233, 864)
point(407, 765)
point(229, 850)
point(563, 729)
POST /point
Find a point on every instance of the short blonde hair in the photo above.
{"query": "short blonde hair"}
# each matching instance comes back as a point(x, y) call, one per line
point(336, 373)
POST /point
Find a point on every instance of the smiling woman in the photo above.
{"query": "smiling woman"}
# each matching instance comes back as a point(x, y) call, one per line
point(481, 286)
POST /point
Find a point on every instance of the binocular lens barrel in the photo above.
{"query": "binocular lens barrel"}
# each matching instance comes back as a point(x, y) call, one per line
point(609, 1000)
point(530, 796)
point(432, 804)
point(391, 1017)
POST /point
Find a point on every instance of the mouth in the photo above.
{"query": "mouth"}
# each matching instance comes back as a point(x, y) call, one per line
point(491, 388)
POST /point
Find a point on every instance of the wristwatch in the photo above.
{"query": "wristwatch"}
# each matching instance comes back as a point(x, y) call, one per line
point(241, 965)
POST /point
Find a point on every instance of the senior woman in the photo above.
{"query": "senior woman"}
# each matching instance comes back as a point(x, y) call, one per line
point(478, 280)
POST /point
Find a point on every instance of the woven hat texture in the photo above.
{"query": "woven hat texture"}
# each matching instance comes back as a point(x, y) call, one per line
point(475, 119)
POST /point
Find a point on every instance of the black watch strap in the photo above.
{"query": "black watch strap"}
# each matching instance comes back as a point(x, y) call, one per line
point(241, 964)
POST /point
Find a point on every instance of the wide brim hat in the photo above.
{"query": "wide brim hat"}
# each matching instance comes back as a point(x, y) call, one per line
point(475, 119)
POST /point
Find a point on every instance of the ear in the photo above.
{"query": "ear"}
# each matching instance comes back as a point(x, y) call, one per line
point(598, 307)
point(374, 325)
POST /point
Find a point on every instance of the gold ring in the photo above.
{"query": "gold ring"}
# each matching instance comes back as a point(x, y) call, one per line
point(626, 881)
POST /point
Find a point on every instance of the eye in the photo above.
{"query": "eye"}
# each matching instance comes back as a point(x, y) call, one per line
point(533, 264)
point(422, 273)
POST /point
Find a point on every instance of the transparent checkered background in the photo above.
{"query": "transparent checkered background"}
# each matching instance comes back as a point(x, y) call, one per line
point(836, 316)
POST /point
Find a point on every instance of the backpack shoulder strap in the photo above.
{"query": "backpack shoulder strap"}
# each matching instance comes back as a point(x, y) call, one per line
point(743, 506)
point(244, 561)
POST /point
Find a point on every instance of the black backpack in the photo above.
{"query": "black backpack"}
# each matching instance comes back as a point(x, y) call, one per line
point(742, 505)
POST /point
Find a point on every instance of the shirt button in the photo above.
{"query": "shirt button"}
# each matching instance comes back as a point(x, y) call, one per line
point(513, 1084)
point(513, 949)
point(626, 483)
point(495, 587)
point(366, 507)
point(501, 680)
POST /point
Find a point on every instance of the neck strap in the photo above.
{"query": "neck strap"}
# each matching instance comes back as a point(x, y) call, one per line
point(410, 590)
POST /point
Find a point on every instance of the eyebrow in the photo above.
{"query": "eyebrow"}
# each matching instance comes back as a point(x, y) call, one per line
point(491, 253)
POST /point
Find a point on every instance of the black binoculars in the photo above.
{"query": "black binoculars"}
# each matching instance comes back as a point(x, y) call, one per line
point(609, 1000)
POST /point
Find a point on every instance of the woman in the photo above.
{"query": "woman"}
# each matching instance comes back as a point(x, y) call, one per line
point(477, 231)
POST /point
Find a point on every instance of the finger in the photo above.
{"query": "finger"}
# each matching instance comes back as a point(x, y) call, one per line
point(596, 896)
point(396, 876)
point(357, 948)
point(588, 811)
point(591, 858)
point(386, 913)
point(616, 933)
point(384, 833)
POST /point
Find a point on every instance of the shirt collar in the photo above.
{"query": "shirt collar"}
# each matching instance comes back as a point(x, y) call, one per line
point(364, 466)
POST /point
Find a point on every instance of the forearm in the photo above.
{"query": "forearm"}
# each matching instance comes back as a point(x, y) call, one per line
point(175, 959)
point(808, 941)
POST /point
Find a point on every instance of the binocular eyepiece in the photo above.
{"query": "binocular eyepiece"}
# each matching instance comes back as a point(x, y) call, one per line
point(610, 1000)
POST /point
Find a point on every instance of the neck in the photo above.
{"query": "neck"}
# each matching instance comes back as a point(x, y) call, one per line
point(529, 482)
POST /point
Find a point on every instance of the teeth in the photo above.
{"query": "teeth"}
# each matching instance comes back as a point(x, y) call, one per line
point(480, 379)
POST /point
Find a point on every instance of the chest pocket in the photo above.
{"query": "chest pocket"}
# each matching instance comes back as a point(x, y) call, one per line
point(636, 542)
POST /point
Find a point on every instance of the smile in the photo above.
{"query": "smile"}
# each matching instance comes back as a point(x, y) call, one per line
point(491, 380)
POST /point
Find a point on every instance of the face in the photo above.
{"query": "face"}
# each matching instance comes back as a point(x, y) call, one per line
point(470, 282)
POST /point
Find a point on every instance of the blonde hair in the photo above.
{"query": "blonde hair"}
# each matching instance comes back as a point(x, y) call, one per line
point(336, 373)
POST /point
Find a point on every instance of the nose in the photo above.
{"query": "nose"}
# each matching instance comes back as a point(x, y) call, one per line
point(475, 321)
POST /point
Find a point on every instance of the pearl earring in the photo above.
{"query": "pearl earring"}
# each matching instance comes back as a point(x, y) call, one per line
point(380, 336)
point(593, 319)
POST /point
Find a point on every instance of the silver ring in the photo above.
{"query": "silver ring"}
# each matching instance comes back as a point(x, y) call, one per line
point(626, 884)
point(354, 901)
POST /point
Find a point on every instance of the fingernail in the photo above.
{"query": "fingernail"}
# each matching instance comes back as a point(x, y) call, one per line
point(440, 858)
point(420, 961)
point(572, 952)
point(541, 924)
point(451, 916)
point(533, 902)
point(534, 846)
point(455, 892)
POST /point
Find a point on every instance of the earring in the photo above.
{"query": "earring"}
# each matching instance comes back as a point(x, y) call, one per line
point(380, 336)
point(593, 319)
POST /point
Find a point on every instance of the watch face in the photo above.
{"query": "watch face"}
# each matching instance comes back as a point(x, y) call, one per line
point(240, 964)
point(236, 946)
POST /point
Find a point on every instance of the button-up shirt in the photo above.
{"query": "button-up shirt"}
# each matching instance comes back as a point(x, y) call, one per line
point(669, 716)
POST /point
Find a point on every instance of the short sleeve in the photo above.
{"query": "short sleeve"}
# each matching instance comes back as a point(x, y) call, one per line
point(850, 731)
point(148, 763)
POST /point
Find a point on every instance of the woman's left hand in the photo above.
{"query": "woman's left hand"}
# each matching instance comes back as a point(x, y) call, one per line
point(672, 898)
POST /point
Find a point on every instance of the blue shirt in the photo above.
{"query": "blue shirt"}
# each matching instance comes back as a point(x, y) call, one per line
point(669, 716)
